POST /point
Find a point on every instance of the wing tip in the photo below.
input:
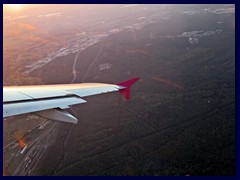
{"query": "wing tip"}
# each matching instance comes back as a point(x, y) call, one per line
point(127, 84)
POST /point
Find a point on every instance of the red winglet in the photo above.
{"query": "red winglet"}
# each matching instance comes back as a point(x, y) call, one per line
point(127, 84)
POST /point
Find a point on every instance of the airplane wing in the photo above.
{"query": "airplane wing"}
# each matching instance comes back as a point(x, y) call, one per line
point(51, 101)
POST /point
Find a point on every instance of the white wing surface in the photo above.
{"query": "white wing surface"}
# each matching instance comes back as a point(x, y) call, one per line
point(50, 101)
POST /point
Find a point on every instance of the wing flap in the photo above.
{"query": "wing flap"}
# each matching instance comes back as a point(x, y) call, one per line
point(12, 109)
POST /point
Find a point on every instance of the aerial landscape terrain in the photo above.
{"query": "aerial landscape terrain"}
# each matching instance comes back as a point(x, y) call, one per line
point(180, 120)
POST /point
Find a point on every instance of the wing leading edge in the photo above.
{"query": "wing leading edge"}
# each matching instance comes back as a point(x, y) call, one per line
point(50, 101)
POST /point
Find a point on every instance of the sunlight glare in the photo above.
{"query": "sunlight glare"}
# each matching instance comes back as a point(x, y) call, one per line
point(14, 7)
